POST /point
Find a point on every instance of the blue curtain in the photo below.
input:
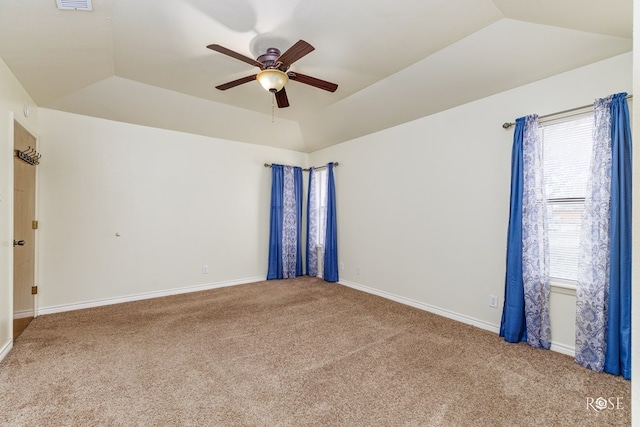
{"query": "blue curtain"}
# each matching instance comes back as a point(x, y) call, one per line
point(513, 325)
point(310, 257)
point(285, 249)
point(331, 240)
point(618, 351)
point(275, 234)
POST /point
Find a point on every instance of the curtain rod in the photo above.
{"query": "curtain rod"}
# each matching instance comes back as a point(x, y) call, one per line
point(268, 165)
point(507, 125)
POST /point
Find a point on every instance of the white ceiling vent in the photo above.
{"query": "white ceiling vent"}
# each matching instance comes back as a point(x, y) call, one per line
point(74, 4)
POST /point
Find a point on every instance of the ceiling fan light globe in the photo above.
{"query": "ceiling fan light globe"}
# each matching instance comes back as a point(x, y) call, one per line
point(272, 80)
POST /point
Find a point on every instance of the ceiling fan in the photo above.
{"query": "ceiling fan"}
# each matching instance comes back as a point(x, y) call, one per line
point(274, 74)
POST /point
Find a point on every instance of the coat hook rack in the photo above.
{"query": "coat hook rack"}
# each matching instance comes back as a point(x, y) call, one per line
point(30, 155)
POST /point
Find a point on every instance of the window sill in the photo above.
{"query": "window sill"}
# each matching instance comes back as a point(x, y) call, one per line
point(565, 288)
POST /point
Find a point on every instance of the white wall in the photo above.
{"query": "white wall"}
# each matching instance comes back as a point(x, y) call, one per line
point(6, 231)
point(179, 201)
point(423, 207)
point(12, 100)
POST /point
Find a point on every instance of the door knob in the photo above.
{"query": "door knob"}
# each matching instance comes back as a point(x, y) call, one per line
point(18, 243)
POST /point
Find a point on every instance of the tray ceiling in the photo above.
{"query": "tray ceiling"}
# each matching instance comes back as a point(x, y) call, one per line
point(146, 61)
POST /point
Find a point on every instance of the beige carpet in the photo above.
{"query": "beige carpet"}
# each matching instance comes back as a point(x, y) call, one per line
point(299, 352)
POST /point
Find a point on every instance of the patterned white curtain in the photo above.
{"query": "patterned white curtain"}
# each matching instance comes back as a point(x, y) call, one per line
point(312, 225)
point(289, 226)
point(593, 265)
point(535, 245)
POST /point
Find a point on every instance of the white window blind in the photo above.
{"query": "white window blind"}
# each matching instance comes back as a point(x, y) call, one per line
point(567, 155)
point(321, 182)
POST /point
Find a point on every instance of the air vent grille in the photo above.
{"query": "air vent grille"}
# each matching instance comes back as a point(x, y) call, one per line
point(74, 4)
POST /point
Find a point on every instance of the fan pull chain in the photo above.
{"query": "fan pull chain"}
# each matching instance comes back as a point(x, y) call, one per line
point(273, 108)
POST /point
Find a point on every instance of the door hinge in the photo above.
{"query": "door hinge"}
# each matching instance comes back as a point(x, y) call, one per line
point(34, 224)
point(34, 290)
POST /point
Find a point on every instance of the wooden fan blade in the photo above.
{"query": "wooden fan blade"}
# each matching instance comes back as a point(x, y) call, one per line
point(281, 98)
point(238, 82)
point(312, 81)
point(235, 55)
point(295, 52)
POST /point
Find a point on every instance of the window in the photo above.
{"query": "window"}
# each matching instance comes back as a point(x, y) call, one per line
point(320, 205)
point(567, 155)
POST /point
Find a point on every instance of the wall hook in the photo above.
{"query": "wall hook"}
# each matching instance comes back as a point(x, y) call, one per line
point(30, 155)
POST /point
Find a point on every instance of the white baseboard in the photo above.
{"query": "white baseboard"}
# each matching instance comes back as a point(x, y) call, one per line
point(147, 295)
point(560, 348)
point(563, 348)
point(426, 307)
point(5, 350)
point(23, 314)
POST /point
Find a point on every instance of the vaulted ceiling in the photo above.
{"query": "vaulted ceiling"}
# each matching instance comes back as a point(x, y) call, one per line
point(146, 61)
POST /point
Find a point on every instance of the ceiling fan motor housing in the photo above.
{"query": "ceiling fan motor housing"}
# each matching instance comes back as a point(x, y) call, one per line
point(269, 58)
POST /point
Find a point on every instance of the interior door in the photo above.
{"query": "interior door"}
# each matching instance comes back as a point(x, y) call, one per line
point(24, 210)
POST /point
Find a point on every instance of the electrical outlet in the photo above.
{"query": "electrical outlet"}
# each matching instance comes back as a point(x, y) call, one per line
point(342, 266)
point(493, 301)
point(205, 269)
point(358, 270)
